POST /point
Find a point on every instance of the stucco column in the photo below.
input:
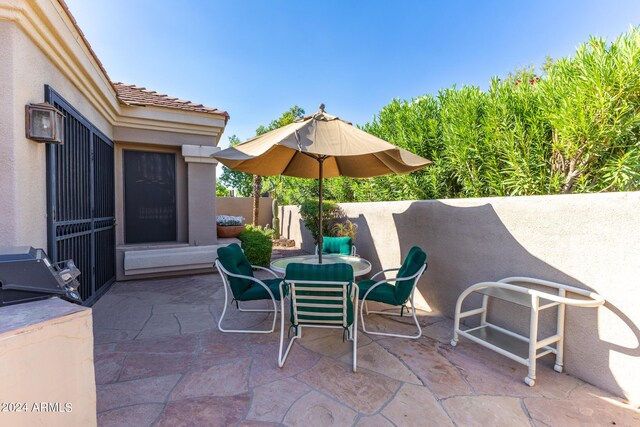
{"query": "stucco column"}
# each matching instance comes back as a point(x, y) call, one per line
point(201, 182)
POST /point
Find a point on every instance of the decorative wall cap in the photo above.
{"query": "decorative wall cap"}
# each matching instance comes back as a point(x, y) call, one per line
point(199, 154)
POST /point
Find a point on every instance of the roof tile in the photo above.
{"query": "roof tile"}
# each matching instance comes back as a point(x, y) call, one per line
point(136, 95)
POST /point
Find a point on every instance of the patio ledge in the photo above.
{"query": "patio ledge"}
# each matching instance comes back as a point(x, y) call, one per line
point(185, 258)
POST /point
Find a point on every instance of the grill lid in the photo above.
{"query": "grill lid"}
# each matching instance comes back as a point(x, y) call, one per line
point(27, 274)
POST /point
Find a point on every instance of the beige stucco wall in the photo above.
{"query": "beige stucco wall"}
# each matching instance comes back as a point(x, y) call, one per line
point(46, 354)
point(24, 70)
point(243, 206)
point(202, 203)
point(40, 45)
point(156, 137)
point(590, 241)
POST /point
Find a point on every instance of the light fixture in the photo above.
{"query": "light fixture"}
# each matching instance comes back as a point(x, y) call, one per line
point(44, 123)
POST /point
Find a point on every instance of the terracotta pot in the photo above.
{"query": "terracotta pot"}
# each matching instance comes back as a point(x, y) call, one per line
point(226, 231)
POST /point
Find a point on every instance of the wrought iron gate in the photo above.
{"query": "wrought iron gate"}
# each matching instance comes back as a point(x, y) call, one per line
point(81, 200)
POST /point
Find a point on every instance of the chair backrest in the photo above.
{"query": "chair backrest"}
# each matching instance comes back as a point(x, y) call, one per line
point(233, 260)
point(320, 294)
point(412, 264)
point(337, 245)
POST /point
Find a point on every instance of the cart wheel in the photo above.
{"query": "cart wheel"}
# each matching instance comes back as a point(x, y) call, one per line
point(454, 343)
point(557, 368)
point(529, 382)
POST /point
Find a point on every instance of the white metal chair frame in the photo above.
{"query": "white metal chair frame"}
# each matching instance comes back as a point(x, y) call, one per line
point(227, 290)
point(353, 251)
point(557, 300)
point(298, 285)
point(364, 308)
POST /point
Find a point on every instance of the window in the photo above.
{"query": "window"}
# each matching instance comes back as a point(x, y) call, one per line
point(149, 196)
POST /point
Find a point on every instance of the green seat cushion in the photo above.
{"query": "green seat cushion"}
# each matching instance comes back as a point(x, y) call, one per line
point(339, 272)
point(233, 260)
point(414, 261)
point(385, 292)
point(337, 245)
point(399, 292)
point(258, 292)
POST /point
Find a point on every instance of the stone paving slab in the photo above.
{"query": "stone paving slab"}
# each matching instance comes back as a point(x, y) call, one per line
point(143, 414)
point(228, 379)
point(364, 391)
point(415, 405)
point(316, 409)
point(160, 360)
point(265, 408)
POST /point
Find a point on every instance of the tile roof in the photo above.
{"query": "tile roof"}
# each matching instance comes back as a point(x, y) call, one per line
point(140, 96)
point(135, 95)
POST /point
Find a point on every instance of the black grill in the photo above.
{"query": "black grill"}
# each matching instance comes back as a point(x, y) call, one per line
point(27, 274)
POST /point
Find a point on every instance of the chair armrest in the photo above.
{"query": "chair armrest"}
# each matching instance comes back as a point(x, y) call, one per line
point(384, 271)
point(259, 267)
point(394, 279)
point(241, 276)
point(282, 285)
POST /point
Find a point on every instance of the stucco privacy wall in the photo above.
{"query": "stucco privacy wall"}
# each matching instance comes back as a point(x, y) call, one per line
point(23, 73)
point(590, 241)
point(243, 206)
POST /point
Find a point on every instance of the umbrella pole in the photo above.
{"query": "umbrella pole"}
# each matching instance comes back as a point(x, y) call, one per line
point(320, 173)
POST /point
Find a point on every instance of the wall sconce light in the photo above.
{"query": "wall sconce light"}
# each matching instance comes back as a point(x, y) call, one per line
point(44, 123)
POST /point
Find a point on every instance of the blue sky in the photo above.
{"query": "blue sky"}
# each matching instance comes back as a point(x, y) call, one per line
point(256, 59)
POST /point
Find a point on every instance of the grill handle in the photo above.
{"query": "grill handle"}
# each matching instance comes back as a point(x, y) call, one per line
point(32, 288)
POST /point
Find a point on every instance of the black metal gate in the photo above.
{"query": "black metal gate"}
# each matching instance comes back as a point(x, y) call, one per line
point(81, 200)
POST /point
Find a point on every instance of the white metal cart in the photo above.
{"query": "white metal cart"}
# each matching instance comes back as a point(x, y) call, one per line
point(522, 349)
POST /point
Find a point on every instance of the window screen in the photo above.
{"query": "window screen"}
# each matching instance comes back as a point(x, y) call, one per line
point(149, 196)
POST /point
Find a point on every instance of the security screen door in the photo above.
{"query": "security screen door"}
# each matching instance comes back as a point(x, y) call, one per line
point(81, 200)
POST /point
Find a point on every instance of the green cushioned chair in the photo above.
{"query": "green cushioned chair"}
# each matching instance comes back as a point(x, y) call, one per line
point(337, 246)
point(397, 294)
point(322, 296)
point(237, 277)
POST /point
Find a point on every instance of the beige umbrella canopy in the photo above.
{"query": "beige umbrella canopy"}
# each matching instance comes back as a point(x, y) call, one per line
point(320, 146)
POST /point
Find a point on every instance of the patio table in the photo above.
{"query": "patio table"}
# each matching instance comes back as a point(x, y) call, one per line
point(360, 265)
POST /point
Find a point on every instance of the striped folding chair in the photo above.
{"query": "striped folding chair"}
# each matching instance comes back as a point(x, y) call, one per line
point(322, 296)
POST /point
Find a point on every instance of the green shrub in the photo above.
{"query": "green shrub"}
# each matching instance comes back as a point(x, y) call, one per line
point(256, 245)
point(572, 127)
point(331, 213)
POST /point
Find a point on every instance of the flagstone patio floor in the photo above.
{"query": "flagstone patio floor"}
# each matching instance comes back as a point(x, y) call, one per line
point(160, 360)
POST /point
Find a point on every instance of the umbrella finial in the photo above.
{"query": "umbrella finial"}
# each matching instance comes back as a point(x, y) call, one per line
point(321, 108)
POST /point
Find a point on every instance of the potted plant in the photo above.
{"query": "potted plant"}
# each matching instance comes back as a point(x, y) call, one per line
point(229, 226)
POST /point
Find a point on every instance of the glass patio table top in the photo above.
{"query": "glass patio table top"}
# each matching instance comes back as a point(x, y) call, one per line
point(360, 265)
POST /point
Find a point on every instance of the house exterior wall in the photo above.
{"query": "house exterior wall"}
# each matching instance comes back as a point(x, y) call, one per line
point(24, 72)
point(589, 241)
point(40, 45)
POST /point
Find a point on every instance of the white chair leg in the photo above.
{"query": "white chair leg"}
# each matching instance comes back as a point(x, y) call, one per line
point(255, 310)
point(283, 357)
point(355, 333)
point(246, 331)
point(386, 334)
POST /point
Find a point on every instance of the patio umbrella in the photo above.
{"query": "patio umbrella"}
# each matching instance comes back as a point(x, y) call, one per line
point(319, 146)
